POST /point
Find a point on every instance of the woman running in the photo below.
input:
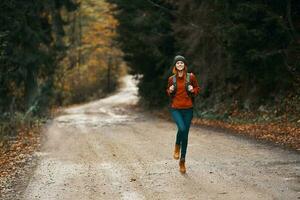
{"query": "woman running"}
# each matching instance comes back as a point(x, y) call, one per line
point(182, 88)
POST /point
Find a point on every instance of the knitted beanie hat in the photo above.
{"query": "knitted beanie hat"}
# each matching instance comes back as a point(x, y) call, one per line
point(179, 58)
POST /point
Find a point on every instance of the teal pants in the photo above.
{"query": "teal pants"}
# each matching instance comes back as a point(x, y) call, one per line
point(183, 119)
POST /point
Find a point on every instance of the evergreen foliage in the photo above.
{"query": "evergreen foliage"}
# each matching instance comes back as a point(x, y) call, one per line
point(244, 51)
point(31, 45)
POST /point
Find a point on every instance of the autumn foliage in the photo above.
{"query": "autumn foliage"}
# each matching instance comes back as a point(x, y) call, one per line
point(93, 64)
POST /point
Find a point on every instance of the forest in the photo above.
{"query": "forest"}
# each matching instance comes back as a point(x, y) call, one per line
point(244, 53)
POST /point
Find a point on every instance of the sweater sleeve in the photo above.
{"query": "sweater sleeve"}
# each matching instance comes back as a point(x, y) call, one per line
point(195, 85)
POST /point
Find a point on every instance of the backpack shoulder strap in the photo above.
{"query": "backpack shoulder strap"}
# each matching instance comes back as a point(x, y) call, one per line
point(187, 80)
point(188, 77)
point(187, 83)
point(175, 85)
point(174, 80)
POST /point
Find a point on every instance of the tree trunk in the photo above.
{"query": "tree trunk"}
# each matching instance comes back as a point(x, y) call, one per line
point(30, 87)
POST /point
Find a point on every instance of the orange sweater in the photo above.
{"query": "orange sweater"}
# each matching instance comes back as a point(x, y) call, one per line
point(181, 100)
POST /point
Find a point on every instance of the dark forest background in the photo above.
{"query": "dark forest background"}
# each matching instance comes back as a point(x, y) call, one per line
point(245, 54)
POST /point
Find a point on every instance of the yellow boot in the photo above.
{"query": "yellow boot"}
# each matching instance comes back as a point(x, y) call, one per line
point(182, 168)
point(176, 152)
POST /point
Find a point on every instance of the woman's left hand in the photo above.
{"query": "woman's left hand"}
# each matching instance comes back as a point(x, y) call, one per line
point(191, 88)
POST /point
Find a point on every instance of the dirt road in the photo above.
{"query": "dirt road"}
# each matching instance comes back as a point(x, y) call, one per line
point(108, 149)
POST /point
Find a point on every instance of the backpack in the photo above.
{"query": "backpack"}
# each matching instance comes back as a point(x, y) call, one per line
point(187, 83)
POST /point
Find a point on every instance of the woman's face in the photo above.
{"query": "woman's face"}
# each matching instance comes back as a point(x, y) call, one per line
point(179, 65)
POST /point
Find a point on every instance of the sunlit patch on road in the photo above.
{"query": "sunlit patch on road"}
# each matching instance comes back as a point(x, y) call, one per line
point(105, 112)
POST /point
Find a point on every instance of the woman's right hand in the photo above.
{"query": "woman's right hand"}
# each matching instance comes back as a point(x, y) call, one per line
point(171, 88)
